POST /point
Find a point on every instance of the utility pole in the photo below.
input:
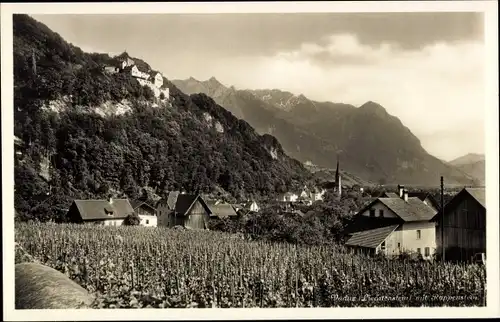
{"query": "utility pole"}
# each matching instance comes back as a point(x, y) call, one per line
point(442, 220)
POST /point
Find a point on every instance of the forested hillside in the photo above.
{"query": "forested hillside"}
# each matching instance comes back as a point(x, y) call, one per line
point(77, 143)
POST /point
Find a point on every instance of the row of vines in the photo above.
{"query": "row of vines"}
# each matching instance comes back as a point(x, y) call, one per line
point(164, 268)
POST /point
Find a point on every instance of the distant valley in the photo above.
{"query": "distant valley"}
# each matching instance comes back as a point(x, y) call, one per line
point(371, 143)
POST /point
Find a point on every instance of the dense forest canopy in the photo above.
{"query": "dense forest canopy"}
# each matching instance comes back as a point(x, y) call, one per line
point(187, 143)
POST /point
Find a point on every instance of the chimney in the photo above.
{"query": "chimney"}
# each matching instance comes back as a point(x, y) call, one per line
point(401, 190)
point(405, 195)
point(110, 200)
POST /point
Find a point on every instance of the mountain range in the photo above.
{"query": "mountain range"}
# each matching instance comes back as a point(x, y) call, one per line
point(369, 142)
point(473, 164)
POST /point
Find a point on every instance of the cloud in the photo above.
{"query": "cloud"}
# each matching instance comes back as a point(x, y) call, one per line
point(436, 89)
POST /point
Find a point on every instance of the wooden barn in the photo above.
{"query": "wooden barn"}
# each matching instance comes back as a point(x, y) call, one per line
point(463, 225)
point(190, 211)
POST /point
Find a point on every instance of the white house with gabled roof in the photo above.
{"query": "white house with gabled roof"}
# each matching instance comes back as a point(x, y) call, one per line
point(394, 225)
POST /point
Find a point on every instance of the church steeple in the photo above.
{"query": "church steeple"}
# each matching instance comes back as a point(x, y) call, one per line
point(337, 173)
point(338, 182)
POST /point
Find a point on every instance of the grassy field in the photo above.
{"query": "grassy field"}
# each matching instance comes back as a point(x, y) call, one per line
point(163, 268)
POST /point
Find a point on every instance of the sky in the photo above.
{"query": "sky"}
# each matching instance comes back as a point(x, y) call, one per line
point(425, 68)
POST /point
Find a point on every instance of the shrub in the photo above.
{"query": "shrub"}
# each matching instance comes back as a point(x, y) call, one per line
point(132, 220)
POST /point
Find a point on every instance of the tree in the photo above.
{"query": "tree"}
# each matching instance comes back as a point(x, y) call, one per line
point(132, 220)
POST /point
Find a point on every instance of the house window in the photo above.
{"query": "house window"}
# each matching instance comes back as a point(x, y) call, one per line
point(381, 213)
point(419, 234)
point(418, 250)
point(372, 212)
point(147, 221)
point(399, 245)
point(427, 251)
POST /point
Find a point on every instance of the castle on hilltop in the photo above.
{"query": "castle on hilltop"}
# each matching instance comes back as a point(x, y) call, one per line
point(152, 79)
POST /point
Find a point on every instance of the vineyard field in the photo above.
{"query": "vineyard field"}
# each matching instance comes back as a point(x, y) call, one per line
point(136, 267)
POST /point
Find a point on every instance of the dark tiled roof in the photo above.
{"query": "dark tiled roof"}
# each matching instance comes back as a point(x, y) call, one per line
point(371, 238)
point(185, 202)
point(136, 203)
point(96, 209)
point(362, 223)
point(412, 210)
point(479, 194)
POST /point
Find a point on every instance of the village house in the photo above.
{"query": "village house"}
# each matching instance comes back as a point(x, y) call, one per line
point(252, 206)
point(165, 206)
point(146, 212)
point(392, 226)
point(426, 197)
point(18, 148)
point(305, 193)
point(238, 207)
point(221, 210)
point(463, 225)
point(288, 197)
point(189, 211)
point(110, 212)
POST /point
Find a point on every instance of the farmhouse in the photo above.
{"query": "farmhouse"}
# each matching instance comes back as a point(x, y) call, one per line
point(146, 212)
point(189, 211)
point(305, 193)
point(427, 198)
point(110, 212)
point(165, 206)
point(317, 194)
point(252, 206)
point(394, 225)
point(463, 225)
point(18, 148)
point(222, 210)
point(288, 197)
